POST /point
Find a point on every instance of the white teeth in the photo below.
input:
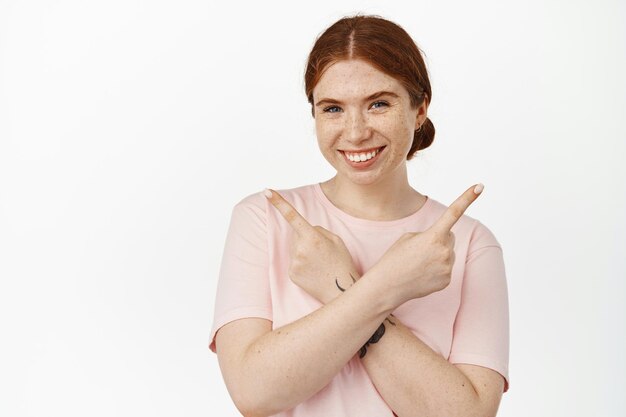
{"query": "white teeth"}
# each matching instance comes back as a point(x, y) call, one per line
point(361, 157)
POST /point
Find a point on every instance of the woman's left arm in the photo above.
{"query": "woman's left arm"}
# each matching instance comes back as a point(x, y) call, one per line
point(416, 381)
point(411, 376)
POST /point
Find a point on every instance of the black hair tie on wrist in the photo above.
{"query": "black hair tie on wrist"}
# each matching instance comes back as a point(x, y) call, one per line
point(375, 338)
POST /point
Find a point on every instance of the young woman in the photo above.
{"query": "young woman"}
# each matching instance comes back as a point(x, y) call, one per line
point(360, 296)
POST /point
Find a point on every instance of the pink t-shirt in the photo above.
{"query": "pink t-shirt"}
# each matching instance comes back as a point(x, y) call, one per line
point(467, 322)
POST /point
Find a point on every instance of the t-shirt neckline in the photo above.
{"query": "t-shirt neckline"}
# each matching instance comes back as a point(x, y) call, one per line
point(319, 193)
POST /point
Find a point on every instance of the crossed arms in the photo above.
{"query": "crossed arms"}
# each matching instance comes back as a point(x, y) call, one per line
point(268, 371)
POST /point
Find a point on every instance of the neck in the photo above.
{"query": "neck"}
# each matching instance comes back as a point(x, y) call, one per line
point(388, 199)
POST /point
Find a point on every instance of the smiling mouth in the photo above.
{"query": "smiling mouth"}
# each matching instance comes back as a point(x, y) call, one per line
point(362, 156)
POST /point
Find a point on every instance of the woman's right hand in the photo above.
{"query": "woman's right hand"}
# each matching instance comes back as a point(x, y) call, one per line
point(419, 264)
point(319, 260)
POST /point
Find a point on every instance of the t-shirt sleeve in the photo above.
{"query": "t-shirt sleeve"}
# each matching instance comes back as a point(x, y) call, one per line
point(481, 328)
point(243, 288)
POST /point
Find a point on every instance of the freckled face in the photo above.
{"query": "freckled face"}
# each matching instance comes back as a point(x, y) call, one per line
point(364, 122)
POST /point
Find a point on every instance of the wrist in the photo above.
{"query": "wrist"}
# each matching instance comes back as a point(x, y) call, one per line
point(386, 297)
point(342, 283)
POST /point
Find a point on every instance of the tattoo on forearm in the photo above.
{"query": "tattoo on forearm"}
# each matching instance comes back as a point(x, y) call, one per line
point(375, 337)
point(377, 334)
point(339, 286)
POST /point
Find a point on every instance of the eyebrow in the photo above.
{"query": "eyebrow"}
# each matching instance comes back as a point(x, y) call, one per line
point(370, 97)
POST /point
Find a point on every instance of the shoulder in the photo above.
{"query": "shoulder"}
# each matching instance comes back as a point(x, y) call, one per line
point(250, 210)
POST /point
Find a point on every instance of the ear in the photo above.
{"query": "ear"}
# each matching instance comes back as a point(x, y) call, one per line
point(422, 113)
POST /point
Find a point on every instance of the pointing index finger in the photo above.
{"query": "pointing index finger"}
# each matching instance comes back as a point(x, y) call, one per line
point(457, 209)
point(295, 219)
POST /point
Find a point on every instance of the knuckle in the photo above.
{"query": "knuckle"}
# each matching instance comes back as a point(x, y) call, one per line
point(299, 251)
point(312, 243)
point(456, 211)
point(445, 254)
point(443, 283)
point(311, 238)
point(437, 238)
point(290, 214)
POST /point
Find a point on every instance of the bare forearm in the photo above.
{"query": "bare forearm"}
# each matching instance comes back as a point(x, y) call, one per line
point(414, 380)
point(290, 364)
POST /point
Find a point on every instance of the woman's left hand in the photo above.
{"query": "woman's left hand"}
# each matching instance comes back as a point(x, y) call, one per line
point(319, 260)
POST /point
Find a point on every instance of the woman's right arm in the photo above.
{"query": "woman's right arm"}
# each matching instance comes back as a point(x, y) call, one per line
point(267, 371)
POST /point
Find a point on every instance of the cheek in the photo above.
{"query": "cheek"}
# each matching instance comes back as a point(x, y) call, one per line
point(325, 131)
point(398, 129)
point(405, 126)
point(395, 126)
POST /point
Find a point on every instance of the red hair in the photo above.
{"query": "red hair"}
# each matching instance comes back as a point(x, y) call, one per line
point(384, 45)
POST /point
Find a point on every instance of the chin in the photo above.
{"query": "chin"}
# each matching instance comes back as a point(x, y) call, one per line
point(362, 178)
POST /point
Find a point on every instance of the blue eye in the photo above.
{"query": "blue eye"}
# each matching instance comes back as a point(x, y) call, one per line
point(383, 103)
point(331, 109)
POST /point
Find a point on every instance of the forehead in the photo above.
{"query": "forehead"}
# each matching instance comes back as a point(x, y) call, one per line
point(355, 79)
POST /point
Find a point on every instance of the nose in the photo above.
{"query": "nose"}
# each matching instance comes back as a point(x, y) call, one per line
point(356, 128)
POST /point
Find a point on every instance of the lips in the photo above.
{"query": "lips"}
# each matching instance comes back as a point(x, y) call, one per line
point(362, 158)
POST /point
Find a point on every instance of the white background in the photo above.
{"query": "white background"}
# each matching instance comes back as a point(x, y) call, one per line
point(129, 129)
